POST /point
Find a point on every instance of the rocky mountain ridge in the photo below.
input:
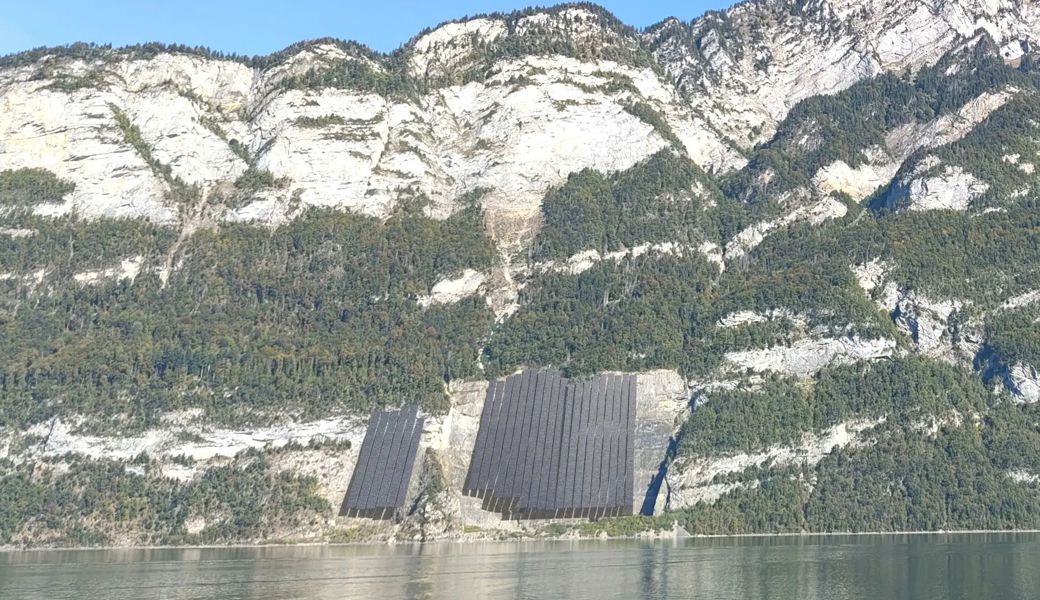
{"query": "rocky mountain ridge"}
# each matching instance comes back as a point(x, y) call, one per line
point(510, 104)
point(762, 58)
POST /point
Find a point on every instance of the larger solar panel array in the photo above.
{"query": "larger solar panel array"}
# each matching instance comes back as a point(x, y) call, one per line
point(383, 471)
point(549, 447)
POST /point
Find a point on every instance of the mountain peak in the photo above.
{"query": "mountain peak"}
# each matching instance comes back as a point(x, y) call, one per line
point(573, 28)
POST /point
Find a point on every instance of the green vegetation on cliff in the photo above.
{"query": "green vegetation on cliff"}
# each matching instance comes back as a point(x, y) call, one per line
point(28, 187)
point(99, 502)
point(122, 322)
point(318, 316)
point(663, 199)
point(942, 457)
point(826, 128)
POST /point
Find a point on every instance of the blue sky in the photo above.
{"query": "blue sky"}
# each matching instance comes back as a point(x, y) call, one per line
point(263, 26)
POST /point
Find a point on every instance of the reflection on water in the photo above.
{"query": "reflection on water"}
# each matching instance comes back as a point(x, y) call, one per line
point(920, 567)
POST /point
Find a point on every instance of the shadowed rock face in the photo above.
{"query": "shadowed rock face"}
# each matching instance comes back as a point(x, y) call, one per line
point(662, 400)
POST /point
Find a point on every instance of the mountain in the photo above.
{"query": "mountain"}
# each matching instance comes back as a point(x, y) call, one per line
point(807, 226)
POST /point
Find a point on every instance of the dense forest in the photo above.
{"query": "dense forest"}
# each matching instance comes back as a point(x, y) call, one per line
point(665, 198)
point(21, 188)
point(315, 317)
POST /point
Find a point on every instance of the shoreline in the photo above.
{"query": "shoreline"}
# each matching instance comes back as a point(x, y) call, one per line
point(463, 542)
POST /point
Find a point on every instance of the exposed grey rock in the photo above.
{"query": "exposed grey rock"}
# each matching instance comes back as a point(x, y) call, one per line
point(531, 123)
point(928, 322)
point(662, 400)
point(806, 357)
point(1023, 381)
point(745, 67)
point(824, 210)
point(881, 164)
point(945, 188)
point(691, 477)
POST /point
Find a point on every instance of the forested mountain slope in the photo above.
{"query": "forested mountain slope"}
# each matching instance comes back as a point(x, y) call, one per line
point(818, 216)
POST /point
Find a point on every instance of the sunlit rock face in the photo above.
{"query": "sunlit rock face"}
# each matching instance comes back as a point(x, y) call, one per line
point(522, 124)
point(746, 67)
point(486, 104)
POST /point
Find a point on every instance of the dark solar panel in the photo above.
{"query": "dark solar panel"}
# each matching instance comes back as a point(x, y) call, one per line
point(514, 431)
point(617, 468)
point(372, 474)
point(505, 418)
point(354, 488)
point(522, 479)
point(475, 476)
point(532, 452)
point(404, 457)
point(558, 453)
point(610, 462)
point(628, 484)
point(409, 465)
point(383, 471)
point(393, 467)
point(568, 457)
point(540, 475)
point(592, 454)
point(604, 431)
point(545, 474)
point(529, 447)
point(550, 447)
point(581, 459)
point(595, 451)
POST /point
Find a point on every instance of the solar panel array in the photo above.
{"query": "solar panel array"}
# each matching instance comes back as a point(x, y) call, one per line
point(549, 447)
point(383, 471)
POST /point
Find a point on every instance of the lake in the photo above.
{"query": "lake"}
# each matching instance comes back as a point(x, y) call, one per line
point(921, 567)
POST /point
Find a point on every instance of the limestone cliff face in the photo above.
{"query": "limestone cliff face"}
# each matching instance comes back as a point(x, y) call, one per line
point(746, 67)
point(515, 129)
point(509, 104)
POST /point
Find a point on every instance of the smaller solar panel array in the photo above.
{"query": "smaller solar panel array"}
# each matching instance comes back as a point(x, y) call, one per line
point(549, 447)
point(379, 485)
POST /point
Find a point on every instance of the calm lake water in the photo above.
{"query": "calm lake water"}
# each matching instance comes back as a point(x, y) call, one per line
point(921, 567)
